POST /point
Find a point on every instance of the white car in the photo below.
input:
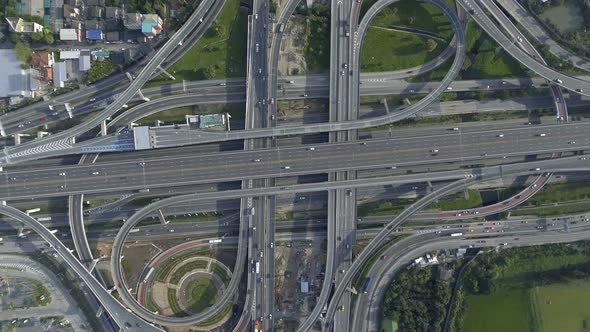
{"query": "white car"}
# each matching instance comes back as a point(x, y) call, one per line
point(62, 174)
point(95, 173)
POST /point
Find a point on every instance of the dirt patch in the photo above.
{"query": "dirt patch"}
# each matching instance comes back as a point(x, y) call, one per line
point(298, 262)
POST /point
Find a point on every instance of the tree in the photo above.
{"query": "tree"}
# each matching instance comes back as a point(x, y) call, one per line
point(205, 73)
point(37, 36)
point(23, 52)
point(48, 39)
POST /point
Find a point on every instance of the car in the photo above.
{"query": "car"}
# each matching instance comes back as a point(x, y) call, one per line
point(256, 160)
point(579, 90)
point(286, 167)
point(61, 186)
point(273, 117)
point(393, 167)
point(434, 151)
point(21, 125)
point(304, 95)
point(92, 99)
point(271, 245)
point(311, 149)
point(141, 163)
point(171, 230)
point(301, 198)
point(537, 169)
point(582, 158)
point(412, 90)
point(259, 70)
point(449, 88)
point(572, 142)
point(13, 178)
point(455, 129)
point(345, 65)
point(542, 135)
point(222, 84)
point(62, 174)
point(348, 192)
point(558, 81)
point(500, 135)
point(256, 16)
point(95, 173)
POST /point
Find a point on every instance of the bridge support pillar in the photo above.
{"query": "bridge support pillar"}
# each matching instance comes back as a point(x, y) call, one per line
point(41, 134)
point(385, 104)
point(93, 264)
point(99, 312)
point(129, 76)
point(103, 128)
point(166, 73)
point(142, 96)
point(466, 193)
point(69, 110)
point(111, 290)
point(162, 218)
point(158, 123)
point(352, 290)
point(428, 186)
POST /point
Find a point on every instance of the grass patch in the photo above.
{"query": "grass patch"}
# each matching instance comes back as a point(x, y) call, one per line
point(385, 50)
point(459, 203)
point(483, 311)
point(217, 317)
point(415, 15)
point(564, 306)
point(384, 208)
point(221, 273)
point(486, 59)
point(559, 192)
point(557, 210)
point(221, 52)
point(186, 268)
point(164, 270)
point(173, 303)
point(201, 293)
point(317, 38)
point(39, 294)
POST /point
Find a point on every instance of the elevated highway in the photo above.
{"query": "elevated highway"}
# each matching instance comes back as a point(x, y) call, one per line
point(452, 146)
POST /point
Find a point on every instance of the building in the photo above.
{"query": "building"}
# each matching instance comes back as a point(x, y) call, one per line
point(94, 34)
point(70, 34)
point(96, 11)
point(14, 81)
point(113, 12)
point(151, 25)
point(69, 55)
point(41, 70)
point(60, 74)
point(84, 63)
point(132, 21)
point(30, 7)
point(304, 287)
point(71, 12)
point(16, 24)
point(113, 36)
point(41, 59)
point(208, 121)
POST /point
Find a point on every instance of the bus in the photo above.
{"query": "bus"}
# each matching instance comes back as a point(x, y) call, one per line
point(456, 234)
point(367, 286)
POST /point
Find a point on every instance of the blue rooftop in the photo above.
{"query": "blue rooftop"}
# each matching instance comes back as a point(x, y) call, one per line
point(94, 34)
point(146, 27)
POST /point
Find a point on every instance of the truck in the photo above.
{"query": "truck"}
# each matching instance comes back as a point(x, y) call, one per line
point(281, 27)
point(134, 230)
point(456, 234)
point(367, 286)
point(257, 267)
point(215, 241)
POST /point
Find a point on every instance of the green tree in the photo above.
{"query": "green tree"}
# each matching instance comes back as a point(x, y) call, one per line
point(48, 39)
point(23, 52)
point(37, 36)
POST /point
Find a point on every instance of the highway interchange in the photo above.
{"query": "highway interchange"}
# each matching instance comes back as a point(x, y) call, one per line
point(263, 161)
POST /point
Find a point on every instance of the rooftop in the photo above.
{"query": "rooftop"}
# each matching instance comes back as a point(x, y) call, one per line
point(14, 81)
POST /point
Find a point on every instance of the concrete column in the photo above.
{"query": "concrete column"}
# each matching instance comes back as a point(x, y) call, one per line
point(69, 110)
point(41, 134)
point(162, 218)
point(99, 312)
point(16, 139)
point(384, 101)
point(166, 73)
point(103, 128)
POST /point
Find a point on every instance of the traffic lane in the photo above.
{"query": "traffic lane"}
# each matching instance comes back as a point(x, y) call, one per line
point(379, 153)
